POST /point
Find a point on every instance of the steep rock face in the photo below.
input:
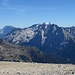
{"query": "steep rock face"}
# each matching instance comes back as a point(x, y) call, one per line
point(5, 31)
point(47, 37)
point(71, 30)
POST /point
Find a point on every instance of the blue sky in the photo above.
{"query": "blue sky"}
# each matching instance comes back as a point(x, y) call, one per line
point(24, 13)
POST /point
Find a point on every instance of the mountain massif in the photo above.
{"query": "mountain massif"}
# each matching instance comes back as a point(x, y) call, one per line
point(49, 38)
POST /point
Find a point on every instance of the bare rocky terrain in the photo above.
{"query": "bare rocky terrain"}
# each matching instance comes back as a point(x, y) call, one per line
point(21, 68)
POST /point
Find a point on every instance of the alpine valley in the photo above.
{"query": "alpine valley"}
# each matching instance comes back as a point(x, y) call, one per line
point(38, 43)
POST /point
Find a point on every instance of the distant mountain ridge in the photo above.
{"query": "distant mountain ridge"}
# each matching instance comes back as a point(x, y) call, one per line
point(71, 30)
point(5, 31)
point(49, 38)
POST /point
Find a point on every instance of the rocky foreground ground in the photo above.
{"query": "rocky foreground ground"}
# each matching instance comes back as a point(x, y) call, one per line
point(20, 68)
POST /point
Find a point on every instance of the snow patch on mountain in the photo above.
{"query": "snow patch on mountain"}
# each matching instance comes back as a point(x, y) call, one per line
point(43, 37)
point(47, 23)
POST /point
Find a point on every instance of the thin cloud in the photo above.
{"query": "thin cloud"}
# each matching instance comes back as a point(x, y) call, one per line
point(5, 2)
point(47, 8)
point(42, 8)
point(18, 11)
point(13, 9)
point(51, 8)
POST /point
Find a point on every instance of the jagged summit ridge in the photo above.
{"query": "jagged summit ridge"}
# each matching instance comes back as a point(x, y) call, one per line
point(47, 23)
point(27, 34)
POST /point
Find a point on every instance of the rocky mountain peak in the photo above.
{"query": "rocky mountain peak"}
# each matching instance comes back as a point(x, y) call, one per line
point(49, 38)
point(5, 31)
point(47, 23)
